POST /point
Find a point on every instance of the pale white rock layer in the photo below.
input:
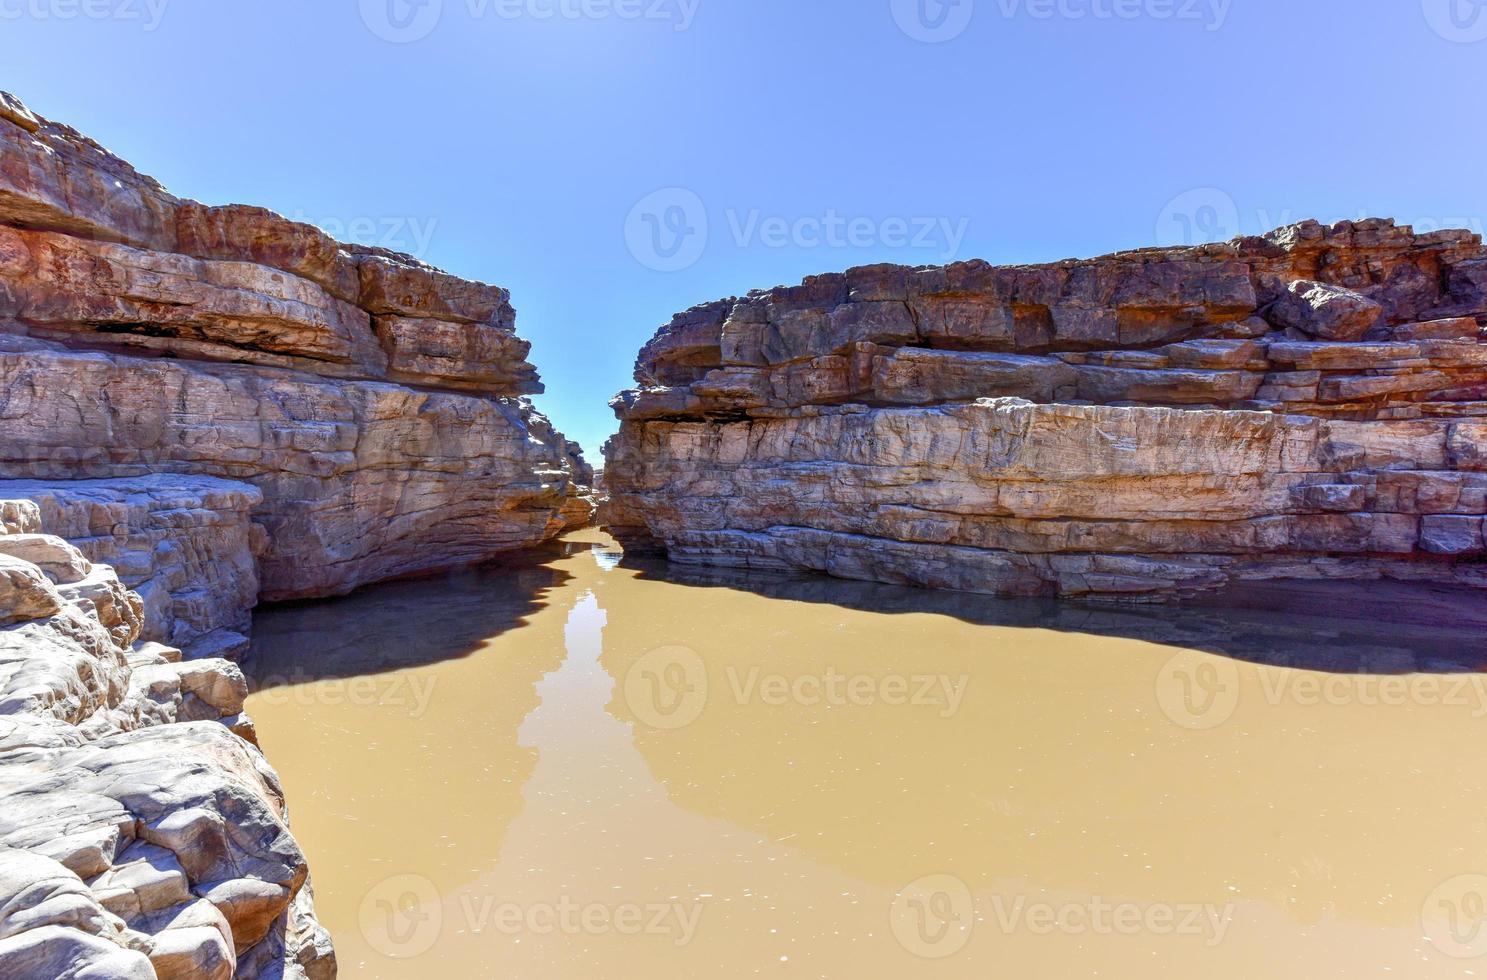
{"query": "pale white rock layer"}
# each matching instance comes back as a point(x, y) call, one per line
point(142, 833)
point(187, 545)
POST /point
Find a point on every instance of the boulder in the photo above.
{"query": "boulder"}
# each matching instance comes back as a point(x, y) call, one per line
point(1324, 311)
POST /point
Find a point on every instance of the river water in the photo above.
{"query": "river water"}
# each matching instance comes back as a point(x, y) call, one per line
point(575, 766)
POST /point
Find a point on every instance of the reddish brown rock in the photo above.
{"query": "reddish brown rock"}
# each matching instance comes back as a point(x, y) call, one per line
point(1140, 425)
point(374, 401)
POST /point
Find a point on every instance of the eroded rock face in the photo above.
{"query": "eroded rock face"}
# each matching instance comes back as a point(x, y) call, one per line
point(142, 833)
point(187, 545)
point(1311, 403)
point(375, 403)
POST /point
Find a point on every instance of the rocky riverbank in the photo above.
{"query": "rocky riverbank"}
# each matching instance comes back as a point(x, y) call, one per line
point(202, 407)
point(142, 833)
point(1306, 404)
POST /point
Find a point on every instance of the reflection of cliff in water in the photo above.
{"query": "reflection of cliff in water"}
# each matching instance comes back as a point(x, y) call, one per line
point(400, 625)
point(395, 711)
point(1346, 627)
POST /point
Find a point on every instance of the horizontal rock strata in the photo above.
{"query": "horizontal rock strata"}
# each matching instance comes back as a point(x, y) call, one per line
point(142, 833)
point(210, 405)
point(374, 402)
point(1311, 403)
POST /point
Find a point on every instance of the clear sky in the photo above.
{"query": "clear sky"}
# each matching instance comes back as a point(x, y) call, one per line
point(615, 161)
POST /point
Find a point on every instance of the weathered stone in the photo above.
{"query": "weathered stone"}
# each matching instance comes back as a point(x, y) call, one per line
point(248, 345)
point(25, 592)
point(810, 428)
point(60, 285)
point(186, 544)
point(213, 403)
point(238, 233)
point(358, 480)
point(1451, 534)
point(178, 827)
point(1325, 311)
point(458, 355)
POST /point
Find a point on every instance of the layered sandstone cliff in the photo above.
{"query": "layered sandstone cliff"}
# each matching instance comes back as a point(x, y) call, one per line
point(1311, 403)
point(201, 407)
point(374, 402)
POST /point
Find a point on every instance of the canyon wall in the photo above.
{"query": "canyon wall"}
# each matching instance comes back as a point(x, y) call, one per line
point(1311, 403)
point(374, 403)
point(201, 407)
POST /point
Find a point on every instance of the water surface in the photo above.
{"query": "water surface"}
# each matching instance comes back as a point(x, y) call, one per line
point(577, 767)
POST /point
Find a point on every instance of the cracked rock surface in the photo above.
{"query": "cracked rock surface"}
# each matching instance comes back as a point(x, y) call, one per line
point(142, 833)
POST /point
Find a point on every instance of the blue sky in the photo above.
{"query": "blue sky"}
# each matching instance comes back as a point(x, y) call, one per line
point(615, 161)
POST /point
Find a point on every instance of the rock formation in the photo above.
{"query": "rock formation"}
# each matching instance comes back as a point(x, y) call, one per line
point(1307, 404)
point(199, 407)
point(142, 834)
point(374, 403)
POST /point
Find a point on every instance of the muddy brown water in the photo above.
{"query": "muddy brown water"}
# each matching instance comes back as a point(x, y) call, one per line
point(574, 766)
